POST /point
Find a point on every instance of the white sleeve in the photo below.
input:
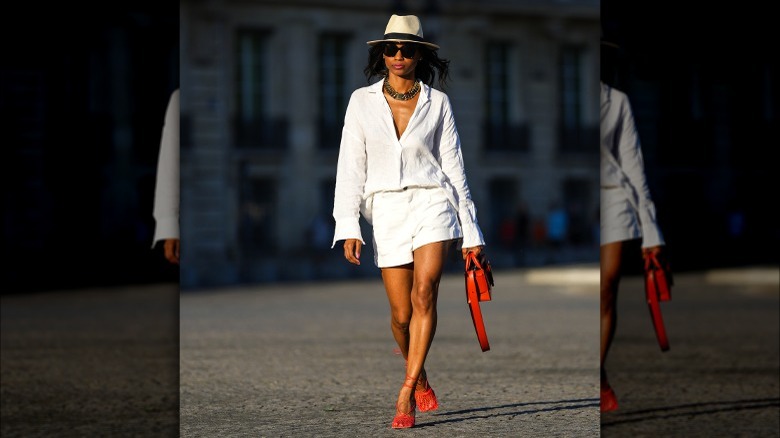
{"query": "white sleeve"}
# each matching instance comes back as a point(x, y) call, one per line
point(452, 165)
point(632, 161)
point(166, 192)
point(350, 176)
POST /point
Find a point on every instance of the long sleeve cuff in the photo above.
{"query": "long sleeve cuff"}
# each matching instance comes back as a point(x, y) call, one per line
point(165, 228)
point(347, 229)
point(651, 236)
point(472, 235)
point(651, 232)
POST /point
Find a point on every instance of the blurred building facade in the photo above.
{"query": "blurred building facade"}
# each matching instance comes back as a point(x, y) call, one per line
point(82, 104)
point(264, 90)
point(706, 108)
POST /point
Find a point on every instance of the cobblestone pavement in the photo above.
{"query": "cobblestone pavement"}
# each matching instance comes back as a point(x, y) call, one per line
point(719, 377)
point(90, 363)
point(318, 360)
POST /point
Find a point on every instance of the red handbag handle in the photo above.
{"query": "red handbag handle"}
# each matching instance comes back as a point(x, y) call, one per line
point(662, 275)
point(472, 262)
point(480, 262)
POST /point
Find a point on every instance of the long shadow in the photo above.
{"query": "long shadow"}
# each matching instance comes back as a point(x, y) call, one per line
point(464, 414)
point(685, 410)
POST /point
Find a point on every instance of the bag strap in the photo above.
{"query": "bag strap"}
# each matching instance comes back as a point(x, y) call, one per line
point(472, 261)
point(652, 262)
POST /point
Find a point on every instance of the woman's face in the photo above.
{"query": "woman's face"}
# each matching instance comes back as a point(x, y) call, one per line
point(401, 58)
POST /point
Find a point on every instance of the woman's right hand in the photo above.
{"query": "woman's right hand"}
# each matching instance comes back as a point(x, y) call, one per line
point(171, 249)
point(352, 250)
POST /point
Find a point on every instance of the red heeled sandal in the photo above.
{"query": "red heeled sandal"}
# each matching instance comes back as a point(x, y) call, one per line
point(608, 399)
point(426, 399)
point(405, 420)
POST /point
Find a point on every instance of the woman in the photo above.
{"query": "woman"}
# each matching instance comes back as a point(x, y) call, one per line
point(627, 213)
point(400, 166)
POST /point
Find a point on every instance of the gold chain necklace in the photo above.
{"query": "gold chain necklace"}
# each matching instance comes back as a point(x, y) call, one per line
point(401, 96)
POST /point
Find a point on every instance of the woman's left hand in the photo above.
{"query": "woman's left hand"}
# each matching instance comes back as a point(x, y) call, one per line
point(475, 249)
point(655, 250)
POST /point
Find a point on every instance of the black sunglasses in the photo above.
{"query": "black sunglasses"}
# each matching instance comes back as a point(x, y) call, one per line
point(407, 50)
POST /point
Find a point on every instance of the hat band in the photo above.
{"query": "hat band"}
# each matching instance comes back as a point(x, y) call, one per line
point(403, 36)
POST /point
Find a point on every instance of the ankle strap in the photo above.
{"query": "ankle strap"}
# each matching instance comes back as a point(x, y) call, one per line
point(411, 379)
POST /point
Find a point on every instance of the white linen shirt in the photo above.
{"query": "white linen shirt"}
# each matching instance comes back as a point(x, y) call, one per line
point(373, 159)
point(619, 138)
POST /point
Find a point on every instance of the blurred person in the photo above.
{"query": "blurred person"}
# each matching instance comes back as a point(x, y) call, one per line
point(522, 225)
point(166, 192)
point(539, 232)
point(507, 232)
point(557, 226)
point(400, 165)
point(627, 212)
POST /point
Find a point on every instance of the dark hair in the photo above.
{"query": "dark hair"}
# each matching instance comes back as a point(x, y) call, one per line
point(429, 67)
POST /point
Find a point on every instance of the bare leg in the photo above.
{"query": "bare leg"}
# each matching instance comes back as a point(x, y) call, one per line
point(611, 256)
point(398, 285)
point(413, 308)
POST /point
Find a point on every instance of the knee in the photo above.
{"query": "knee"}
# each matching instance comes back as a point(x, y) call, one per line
point(400, 320)
point(424, 297)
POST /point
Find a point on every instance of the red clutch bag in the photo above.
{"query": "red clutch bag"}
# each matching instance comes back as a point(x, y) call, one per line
point(479, 283)
point(658, 284)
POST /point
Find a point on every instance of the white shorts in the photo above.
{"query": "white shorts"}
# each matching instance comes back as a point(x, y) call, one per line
point(407, 219)
point(618, 218)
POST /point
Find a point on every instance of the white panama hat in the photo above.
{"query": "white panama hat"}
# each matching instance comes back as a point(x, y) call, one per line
point(404, 29)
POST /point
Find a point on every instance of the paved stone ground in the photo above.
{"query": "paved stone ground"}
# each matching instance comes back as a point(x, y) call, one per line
point(317, 360)
point(720, 376)
point(90, 363)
